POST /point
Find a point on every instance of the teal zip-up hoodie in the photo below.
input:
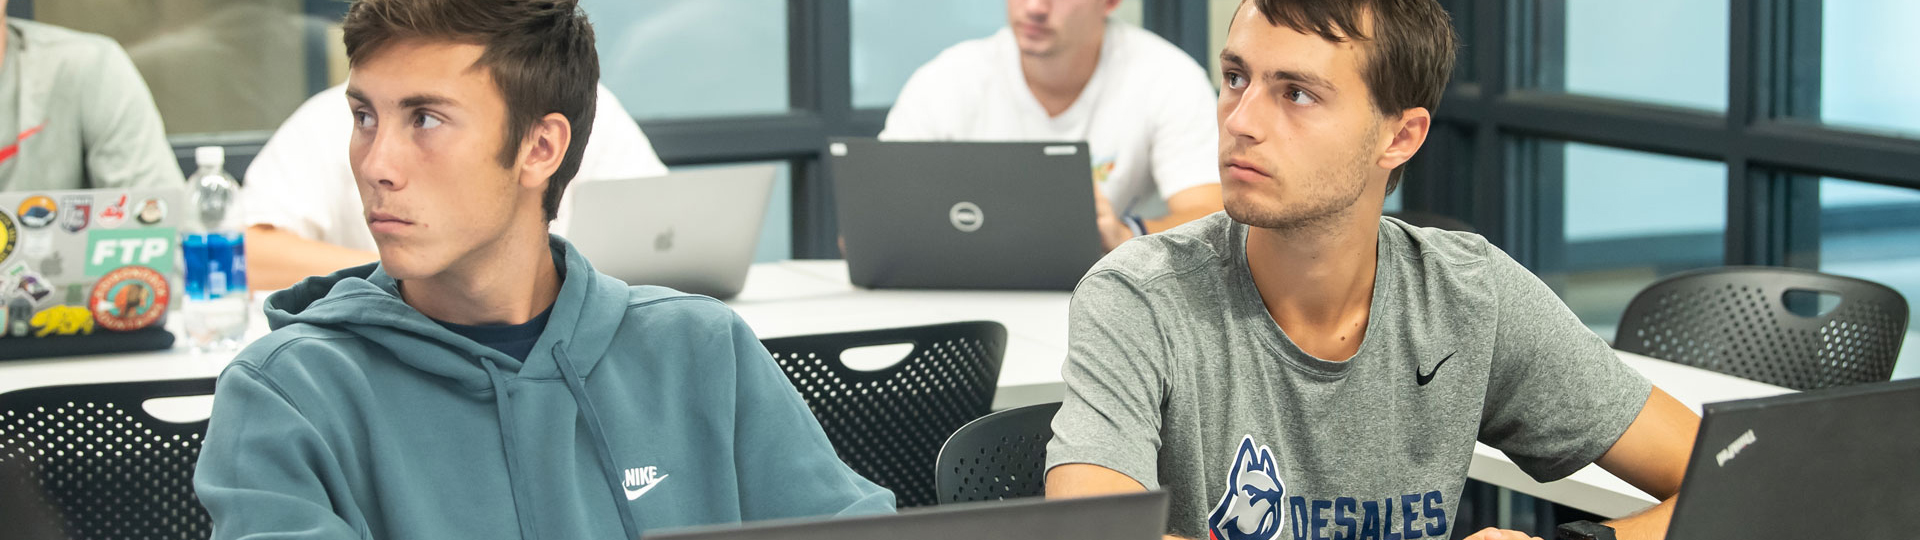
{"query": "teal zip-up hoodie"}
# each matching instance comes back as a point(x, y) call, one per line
point(640, 408)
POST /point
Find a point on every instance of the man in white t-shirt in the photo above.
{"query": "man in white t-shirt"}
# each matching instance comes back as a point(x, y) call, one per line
point(1064, 71)
point(303, 213)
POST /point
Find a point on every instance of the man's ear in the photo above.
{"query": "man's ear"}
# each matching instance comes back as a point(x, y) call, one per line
point(1404, 137)
point(543, 148)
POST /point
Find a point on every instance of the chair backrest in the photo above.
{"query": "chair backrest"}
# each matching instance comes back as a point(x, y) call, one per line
point(92, 461)
point(888, 424)
point(1000, 456)
point(1737, 321)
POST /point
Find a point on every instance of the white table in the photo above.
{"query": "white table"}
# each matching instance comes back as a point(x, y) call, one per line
point(793, 298)
point(807, 297)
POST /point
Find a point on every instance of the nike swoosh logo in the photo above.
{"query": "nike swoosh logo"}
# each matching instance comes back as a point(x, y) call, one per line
point(636, 493)
point(1424, 378)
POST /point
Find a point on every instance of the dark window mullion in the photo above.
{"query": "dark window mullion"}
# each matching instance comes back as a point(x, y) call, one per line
point(1795, 85)
point(819, 66)
point(1749, 195)
point(1489, 209)
point(1181, 22)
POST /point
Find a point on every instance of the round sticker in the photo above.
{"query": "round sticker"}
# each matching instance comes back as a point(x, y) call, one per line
point(151, 211)
point(37, 211)
point(8, 235)
point(129, 298)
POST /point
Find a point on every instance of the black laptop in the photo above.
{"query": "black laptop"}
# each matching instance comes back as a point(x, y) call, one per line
point(965, 215)
point(1136, 516)
point(1836, 463)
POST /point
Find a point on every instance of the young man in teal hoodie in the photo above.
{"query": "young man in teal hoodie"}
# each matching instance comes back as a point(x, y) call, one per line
point(481, 380)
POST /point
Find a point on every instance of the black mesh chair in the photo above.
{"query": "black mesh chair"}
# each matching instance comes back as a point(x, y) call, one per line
point(89, 462)
point(1000, 456)
point(1737, 321)
point(888, 424)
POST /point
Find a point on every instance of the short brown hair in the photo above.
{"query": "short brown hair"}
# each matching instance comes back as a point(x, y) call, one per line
point(540, 54)
point(1411, 52)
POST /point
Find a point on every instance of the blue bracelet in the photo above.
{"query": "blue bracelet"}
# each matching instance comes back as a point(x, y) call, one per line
point(1139, 226)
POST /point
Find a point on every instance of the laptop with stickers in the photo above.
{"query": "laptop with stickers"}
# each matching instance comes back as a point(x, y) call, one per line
point(1835, 463)
point(1133, 516)
point(88, 271)
point(965, 215)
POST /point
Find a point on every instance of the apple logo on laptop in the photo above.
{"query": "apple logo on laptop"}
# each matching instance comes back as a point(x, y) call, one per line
point(663, 241)
point(966, 216)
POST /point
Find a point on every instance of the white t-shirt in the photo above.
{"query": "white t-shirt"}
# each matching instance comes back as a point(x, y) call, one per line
point(301, 181)
point(1147, 114)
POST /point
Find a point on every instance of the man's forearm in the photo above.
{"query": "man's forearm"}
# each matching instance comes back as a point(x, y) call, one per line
point(1650, 524)
point(277, 259)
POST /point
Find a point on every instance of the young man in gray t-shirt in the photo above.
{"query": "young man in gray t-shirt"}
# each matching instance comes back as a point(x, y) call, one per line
point(1299, 367)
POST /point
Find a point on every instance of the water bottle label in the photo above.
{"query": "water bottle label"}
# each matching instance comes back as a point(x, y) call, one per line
point(237, 273)
point(193, 249)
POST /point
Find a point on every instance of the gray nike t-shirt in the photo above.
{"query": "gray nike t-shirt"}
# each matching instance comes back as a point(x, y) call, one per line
point(1179, 378)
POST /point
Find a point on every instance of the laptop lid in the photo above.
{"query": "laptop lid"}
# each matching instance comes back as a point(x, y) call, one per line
point(965, 215)
point(88, 271)
point(1835, 463)
point(694, 231)
point(1133, 516)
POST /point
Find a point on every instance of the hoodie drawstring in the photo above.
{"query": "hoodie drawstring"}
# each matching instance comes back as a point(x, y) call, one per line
point(502, 404)
point(577, 385)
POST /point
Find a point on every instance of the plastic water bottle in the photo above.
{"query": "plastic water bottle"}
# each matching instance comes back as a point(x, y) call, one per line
point(214, 251)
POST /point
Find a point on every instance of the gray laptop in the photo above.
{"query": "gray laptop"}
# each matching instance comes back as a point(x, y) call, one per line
point(89, 271)
point(694, 231)
point(965, 215)
point(1136, 516)
point(1836, 463)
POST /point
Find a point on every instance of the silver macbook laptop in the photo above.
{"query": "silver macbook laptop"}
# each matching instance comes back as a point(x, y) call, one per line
point(694, 231)
point(965, 215)
point(1135, 516)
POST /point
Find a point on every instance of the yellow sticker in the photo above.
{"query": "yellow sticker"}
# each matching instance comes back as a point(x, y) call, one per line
point(8, 235)
point(63, 321)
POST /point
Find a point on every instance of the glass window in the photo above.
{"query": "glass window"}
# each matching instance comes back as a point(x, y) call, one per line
point(892, 38)
point(693, 58)
point(215, 65)
point(1862, 45)
point(1658, 51)
point(1872, 232)
point(1629, 218)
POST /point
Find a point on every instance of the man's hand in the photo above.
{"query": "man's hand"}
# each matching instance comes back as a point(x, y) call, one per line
point(1491, 533)
point(1112, 230)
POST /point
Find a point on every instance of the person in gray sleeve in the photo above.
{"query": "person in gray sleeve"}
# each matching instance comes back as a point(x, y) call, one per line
point(75, 114)
point(1300, 367)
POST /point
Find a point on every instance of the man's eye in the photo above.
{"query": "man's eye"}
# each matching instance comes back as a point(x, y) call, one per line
point(427, 121)
point(362, 119)
point(1235, 81)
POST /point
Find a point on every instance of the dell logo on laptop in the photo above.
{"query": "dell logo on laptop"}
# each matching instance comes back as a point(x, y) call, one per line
point(966, 216)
